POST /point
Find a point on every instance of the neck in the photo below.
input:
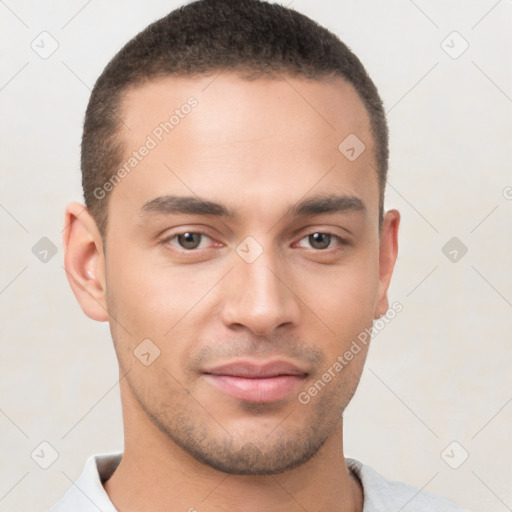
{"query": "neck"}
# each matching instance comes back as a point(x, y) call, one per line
point(156, 474)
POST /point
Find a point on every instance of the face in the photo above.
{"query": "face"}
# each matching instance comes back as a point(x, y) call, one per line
point(243, 247)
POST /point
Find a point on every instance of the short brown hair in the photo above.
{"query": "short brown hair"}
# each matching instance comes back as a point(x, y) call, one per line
point(207, 36)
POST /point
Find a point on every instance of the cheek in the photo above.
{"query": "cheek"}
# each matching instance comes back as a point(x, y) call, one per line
point(151, 297)
point(148, 304)
point(343, 293)
point(344, 299)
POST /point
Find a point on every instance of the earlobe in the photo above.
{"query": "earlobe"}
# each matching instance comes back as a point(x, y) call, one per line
point(84, 261)
point(388, 252)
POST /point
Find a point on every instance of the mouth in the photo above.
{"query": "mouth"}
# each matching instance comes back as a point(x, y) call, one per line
point(252, 382)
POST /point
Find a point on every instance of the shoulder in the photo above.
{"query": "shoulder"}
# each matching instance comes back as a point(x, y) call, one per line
point(87, 492)
point(380, 494)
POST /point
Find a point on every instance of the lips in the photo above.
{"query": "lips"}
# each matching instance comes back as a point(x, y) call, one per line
point(254, 371)
point(252, 382)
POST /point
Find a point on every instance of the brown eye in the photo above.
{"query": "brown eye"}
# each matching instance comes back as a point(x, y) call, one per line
point(189, 240)
point(323, 242)
point(319, 240)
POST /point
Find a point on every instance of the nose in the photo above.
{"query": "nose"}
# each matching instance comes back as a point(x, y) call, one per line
point(259, 296)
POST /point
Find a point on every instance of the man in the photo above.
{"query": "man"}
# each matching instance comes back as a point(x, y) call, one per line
point(234, 161)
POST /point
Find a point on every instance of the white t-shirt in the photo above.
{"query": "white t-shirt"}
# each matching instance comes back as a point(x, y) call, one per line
point(380, 495)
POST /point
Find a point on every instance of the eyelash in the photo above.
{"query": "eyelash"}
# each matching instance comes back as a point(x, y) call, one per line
point(172, 237)
point(341, 241)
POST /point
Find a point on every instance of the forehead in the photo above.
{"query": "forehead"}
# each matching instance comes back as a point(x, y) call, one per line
point(243, 142)
point(329, 105)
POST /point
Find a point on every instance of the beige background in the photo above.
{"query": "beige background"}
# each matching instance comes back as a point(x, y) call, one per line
point(438, 373)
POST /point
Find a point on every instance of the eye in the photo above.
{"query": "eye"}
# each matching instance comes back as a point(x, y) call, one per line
point(322, 241)
point(188, 240)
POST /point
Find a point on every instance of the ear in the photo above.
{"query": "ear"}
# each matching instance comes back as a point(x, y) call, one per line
point(84, 261)
point(387, 257)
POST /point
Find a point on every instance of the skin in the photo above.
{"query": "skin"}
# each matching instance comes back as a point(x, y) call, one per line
point(258, 148)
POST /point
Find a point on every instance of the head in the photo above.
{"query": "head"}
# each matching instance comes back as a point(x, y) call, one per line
point(234, 161)
point(255, 39)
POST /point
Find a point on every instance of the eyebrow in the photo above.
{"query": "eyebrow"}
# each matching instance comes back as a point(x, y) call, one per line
point(316, 205)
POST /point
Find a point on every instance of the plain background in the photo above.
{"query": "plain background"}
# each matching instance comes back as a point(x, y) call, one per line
point(439, 373)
